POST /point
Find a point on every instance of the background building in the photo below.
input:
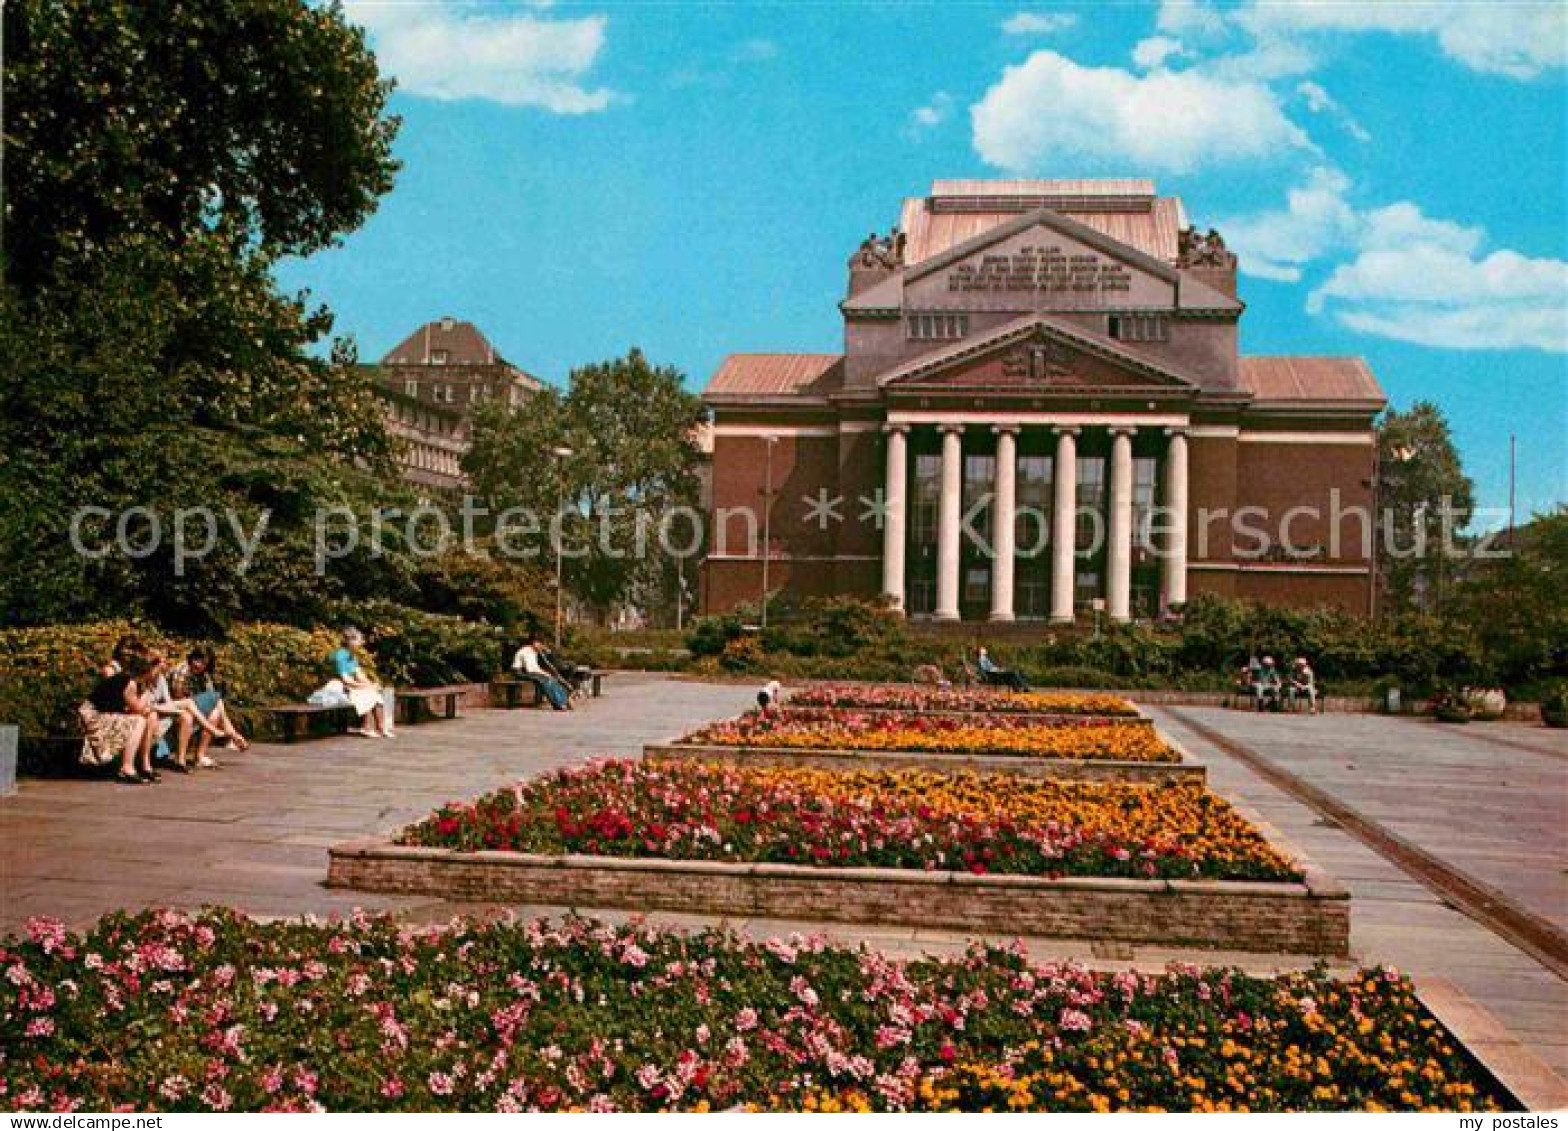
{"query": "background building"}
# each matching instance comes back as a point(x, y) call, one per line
point(429, 385)
point(1030, 368)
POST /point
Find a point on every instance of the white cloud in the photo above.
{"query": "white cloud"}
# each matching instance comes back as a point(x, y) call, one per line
point(1051, 110)
point(1519, 40)
point(1191, 18)
point(1317, 219)
point(1319, 101)
point(1154, 51)
point(451, 54)
point(1417, 279)
point(933, 114)
point(1038, 23)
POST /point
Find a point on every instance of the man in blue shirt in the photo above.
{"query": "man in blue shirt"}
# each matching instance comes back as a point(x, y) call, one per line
point(991, 673)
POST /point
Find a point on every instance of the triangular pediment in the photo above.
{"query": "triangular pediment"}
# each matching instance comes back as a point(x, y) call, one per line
point(1045, 221)
point(1038, 353)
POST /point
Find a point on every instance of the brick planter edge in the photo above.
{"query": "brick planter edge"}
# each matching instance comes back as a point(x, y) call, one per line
point(1309, 917)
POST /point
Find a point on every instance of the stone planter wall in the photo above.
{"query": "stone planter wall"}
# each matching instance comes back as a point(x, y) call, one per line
point(1018, 765)
point(1312, 917)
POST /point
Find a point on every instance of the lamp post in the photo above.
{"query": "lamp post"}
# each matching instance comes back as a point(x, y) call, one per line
point(560, 453)
point(767, 519)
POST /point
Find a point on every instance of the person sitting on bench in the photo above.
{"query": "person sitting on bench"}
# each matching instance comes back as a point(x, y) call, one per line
point(1003, 677)
point(367, 697)
point(1266, 685)
point(1303, 684)
point(576, 678)
point(529, 664)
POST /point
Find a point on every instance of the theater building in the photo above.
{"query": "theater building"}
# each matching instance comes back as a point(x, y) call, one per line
point(1041, 410)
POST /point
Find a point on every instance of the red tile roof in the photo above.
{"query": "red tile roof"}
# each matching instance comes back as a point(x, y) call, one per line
point(1309, 379)
point(774, 374)
point(1126, 210)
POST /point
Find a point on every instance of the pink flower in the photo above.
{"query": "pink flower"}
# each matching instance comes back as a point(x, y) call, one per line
point(1074, 1021)
point(440, 1084)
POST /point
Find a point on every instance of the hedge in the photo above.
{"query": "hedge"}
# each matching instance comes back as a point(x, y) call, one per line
point(45, 672)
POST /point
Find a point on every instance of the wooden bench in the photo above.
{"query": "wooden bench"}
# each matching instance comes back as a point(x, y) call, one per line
point(417, 704)
point(295, 718)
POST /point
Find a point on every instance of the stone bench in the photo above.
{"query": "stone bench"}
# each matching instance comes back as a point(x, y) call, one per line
point(512, 692)
point(418, 704)
point(294, 719)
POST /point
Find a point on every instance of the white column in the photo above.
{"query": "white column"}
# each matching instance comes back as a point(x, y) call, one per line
point(949, 506)
point(1175, 574)
point(1003, 518)
point(894, 496)
point(1118, 567)
point(1064, 524)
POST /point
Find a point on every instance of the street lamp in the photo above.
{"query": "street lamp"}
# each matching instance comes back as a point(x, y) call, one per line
point(559, 453)
point(767, 519)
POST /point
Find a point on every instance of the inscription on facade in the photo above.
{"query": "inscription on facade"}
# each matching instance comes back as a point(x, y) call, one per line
point(1041, 269)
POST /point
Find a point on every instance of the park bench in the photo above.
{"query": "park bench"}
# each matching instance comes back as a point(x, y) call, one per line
point(418, 704)
point(526, 691)
point(295, 718)
point(511, 693)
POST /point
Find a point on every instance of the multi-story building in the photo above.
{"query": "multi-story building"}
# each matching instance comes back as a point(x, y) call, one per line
point(1040, 409)
point(429, 385)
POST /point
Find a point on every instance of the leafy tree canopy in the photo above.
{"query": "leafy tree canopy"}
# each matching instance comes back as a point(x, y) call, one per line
point(159, 157)
point(261, 120)
point(629, 426)
point(1421, 485)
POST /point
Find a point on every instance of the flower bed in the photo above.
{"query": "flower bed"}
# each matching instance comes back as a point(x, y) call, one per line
point(985, 700)
point(892, 819)
point(834, 729)
point(216, 1012)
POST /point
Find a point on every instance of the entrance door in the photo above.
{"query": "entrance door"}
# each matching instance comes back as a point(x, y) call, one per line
point(977, 549)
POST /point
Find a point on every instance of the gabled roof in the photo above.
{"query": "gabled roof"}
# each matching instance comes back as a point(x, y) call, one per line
point(775, 374)
point(1020, 329)
point(1281, 380)
point(1191, 294)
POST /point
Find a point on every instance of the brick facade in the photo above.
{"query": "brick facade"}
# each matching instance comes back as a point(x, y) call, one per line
point(1037, 306)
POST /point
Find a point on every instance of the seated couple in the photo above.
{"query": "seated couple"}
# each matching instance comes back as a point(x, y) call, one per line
point(1272, 691)
point(352, 686)
point(558, 679)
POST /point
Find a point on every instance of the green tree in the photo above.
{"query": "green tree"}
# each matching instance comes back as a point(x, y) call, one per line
point(1517, 605)
point(159, 157)
point(629, 427)
point(1425, 501)
point(259, 120)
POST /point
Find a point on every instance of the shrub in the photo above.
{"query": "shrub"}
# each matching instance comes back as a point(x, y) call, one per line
point(709, 635)
point(743, 654)
point(415, 649)
point(46, 671)
point(261, 664)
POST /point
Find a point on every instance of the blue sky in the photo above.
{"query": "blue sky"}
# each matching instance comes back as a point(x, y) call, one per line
point(690, 178)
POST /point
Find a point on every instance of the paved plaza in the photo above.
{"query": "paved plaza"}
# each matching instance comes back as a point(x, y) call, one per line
point(1490, 801)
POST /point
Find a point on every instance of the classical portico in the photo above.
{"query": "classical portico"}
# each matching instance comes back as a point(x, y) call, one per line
point(978, 522)
point(1038, 415)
